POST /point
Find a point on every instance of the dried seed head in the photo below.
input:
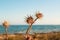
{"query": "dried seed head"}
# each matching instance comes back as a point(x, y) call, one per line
point(6, 24)
point(39, 15)
point(29, 20)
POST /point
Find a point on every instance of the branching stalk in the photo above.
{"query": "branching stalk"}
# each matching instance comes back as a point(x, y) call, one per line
point(30, 26)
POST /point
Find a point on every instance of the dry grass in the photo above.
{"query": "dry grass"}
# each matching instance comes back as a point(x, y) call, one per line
point(35, 36)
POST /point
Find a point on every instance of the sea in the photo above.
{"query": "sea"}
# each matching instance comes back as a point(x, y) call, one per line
point(35, 29)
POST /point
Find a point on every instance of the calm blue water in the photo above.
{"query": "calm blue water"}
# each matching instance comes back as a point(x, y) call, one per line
point(35, 28)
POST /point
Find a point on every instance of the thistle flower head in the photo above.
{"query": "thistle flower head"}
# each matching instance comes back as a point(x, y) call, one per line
point(29, 20)
point(39, 15)
point(6, 24)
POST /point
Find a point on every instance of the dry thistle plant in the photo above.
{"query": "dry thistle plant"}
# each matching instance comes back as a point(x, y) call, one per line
point(30, 20)
point(6, 25)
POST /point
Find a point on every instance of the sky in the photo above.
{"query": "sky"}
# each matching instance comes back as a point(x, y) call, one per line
point(16, 11)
